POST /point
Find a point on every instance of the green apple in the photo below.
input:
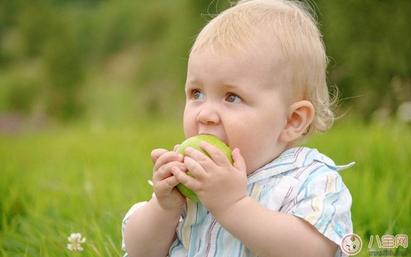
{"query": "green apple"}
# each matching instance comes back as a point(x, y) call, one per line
point(194, 142)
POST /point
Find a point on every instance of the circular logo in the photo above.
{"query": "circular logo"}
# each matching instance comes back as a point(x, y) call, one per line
point(351, 244)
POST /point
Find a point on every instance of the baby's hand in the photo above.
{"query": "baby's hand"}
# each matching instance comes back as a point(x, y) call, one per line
point(168, 197)
point(217, 183)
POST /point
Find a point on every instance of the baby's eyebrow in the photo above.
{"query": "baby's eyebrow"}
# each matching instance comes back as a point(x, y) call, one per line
point(235, 87)
point(191, 84)
point(193, 81)
point(231, 86)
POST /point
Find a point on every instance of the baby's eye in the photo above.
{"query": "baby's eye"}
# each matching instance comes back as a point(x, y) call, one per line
point(232, 98)
point(198, 95)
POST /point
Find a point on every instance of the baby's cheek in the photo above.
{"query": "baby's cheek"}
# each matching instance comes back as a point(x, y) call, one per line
point(251, 160)
point(190, 128)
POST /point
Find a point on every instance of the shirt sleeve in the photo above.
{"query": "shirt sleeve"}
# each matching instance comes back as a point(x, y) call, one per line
point(325, 202)
point(123, 226)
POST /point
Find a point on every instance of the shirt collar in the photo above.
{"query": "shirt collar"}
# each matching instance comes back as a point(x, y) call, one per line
point(293, 158)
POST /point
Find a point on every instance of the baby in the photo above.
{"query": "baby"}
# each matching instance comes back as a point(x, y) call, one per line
point(256, 80)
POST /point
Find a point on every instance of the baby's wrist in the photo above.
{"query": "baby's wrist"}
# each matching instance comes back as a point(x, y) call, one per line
point(172, 213)
point(226, 212)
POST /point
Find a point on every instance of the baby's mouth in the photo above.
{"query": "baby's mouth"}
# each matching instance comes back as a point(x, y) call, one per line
point(209, 135)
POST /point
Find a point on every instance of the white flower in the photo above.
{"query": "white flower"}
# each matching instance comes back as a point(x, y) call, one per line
point(76, 240)
point(151, 184)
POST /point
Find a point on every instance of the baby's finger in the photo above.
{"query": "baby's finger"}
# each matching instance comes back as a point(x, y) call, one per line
point(216, 155)
point(165, 170)
point(175, 148)
point(185, 179)
point(239, 162)
point(195, 168)
point(197, 156)
point(156, 153)
point(166, 158)
point(166, 186)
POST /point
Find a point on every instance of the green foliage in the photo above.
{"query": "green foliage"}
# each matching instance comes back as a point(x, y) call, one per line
point(73, 45)
point(76, 47)
point(83, 178)
point(370, 50)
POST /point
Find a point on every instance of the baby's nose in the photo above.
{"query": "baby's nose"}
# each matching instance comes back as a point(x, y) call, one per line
point(209, 115)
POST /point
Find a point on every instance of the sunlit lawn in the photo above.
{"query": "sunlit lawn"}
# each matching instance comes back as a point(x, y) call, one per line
point(83, 178)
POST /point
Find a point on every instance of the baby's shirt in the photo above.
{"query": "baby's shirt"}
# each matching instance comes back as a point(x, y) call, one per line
point(301, 182)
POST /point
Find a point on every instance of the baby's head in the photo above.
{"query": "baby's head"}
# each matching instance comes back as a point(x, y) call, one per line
point(256, 79)
point(277, 27)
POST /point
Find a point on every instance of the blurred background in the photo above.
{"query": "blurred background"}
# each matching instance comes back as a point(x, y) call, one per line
point(89, 87)
point(115, 61)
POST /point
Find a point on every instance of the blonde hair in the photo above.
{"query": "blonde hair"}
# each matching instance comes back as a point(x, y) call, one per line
point(289, 23)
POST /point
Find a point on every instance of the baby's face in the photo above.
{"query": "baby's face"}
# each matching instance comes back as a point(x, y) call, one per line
point(240, 99)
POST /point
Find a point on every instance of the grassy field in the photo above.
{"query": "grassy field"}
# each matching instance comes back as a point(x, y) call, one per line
point(83, 178)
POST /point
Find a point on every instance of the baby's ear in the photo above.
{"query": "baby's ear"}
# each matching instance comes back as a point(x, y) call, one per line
point(299, 117)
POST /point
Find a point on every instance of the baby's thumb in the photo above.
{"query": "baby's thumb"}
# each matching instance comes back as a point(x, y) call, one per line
point(175, 148)
point(156, 153)
point(239, 162)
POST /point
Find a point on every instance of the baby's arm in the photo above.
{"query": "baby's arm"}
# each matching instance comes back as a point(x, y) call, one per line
point(150, 230)
point(272, 233)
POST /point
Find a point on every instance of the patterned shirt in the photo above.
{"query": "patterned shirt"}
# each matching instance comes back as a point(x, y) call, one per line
point(301, 182)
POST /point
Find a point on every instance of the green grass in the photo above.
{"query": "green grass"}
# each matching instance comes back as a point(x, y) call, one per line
point(83, 178)
point(379, 181)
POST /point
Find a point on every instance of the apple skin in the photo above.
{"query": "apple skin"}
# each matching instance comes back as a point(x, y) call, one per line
point(194, 142)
